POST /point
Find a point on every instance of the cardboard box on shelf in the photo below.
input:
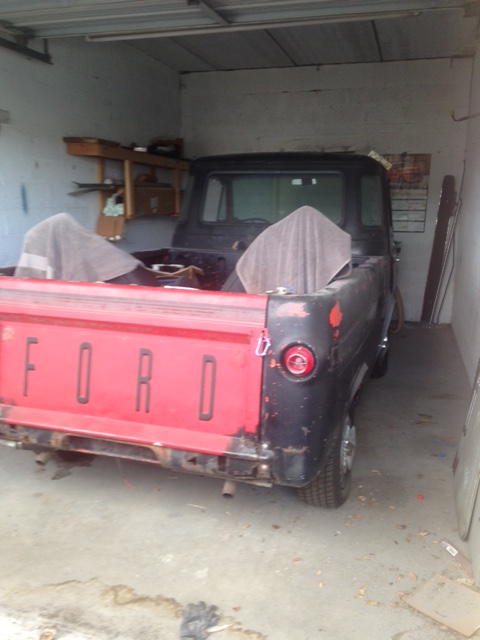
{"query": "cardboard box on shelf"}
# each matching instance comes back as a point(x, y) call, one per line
point(154, 201)
point(110, 227)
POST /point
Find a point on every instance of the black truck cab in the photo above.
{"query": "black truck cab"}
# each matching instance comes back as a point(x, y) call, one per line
point(231, 199)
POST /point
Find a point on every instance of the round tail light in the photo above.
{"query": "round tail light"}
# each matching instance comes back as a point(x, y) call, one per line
point(299, 360)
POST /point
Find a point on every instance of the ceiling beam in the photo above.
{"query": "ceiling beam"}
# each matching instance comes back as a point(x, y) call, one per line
point(27, 52)
point(377, 40)
point(191, 31)
point(208, 11)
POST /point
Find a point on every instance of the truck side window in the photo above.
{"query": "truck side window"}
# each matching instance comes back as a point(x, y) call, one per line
point(371, 200)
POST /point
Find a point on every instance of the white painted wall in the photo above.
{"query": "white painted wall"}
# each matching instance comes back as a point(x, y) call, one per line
point(389, 107)
point(466, 304)
point(113, 91)
point(106, 90)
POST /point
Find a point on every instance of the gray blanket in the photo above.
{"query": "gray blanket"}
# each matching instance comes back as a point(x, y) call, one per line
point(61, 249)
point(303, 252)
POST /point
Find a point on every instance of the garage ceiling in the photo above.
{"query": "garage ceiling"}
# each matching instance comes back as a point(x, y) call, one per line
point(207, 35)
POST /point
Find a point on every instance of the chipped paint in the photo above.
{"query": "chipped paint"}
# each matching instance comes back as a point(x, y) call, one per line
point(299, 452)
point(293, 310)
point(335, 317)
point(8, 334)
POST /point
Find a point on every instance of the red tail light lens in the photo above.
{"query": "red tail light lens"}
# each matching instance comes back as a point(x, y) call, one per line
point(299, 360)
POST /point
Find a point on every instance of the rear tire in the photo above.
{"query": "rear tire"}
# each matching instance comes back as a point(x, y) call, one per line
point(331, 487)
point(398, 317)
point(380, 367)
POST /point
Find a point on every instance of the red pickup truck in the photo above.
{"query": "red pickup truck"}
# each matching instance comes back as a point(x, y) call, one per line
point(224, 379)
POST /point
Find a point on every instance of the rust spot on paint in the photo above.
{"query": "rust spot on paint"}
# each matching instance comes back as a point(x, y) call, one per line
point(267, 399)
point(336, 316)
point(293, 451)
point(273, 363)
point(293, 309)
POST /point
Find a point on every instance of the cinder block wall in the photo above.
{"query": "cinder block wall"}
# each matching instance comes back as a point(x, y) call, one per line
point(103, 90)
point(389, 107)
point(466, 302)
point(113, 91)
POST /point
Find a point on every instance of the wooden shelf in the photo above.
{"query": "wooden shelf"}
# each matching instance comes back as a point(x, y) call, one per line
point(102, 152)
point(108, 152)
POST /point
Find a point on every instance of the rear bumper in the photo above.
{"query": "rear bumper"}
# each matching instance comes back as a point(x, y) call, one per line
point(244, 461)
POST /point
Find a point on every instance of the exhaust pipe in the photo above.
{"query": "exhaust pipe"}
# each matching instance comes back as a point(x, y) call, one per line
point(43, 458)
point(12, 444)
point(229, 489)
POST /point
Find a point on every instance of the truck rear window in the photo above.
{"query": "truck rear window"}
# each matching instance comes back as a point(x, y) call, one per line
point(243, 198)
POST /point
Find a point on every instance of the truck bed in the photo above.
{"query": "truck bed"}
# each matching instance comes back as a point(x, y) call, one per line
point(188, 379)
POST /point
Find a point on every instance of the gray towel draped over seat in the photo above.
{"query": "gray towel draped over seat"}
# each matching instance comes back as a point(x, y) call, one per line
point(303, 253)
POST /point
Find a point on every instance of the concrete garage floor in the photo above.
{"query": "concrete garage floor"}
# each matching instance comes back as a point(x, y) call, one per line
point(116, 549)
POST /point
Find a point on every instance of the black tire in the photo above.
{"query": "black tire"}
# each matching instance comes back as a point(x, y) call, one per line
point(380, 367)
point(398, 318)
point(331, 487)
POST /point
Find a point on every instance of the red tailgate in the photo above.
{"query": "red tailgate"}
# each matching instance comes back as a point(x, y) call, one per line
point(170, 367)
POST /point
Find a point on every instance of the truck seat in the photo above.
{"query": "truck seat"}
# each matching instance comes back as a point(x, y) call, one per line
point(59, 248)
point(302, 253)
